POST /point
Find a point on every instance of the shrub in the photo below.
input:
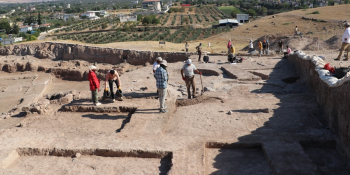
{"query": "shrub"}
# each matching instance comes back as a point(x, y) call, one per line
point(315, 12)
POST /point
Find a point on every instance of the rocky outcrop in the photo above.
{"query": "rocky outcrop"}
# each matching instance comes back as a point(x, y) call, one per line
point(64, 51)
point(332, 96)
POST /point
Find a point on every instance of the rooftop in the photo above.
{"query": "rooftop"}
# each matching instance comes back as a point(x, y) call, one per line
point(228, 21)
point(151, 1)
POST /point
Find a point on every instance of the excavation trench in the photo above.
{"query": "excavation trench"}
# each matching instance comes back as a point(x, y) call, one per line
point(163, 166)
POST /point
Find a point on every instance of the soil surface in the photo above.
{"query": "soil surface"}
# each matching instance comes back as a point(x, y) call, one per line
point(255, 124)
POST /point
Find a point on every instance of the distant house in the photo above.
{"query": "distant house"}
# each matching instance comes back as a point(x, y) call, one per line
point(126, 18)
point(227, 22)
point(242, 18)
point(67, 16)
point(7, 41)
point(25, 29)
point(31, 8)
point(90, 15)
point(45, 25)
point(152, 4)
point(34, 27)
point(134, 2)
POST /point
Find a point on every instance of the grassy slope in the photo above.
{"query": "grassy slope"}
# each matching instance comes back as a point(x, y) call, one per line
point(228, 10)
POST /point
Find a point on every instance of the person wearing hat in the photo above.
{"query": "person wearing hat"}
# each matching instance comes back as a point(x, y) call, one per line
point(161, 76)
point(94, 85)
point(346, 43)
point(113, 77)
point(156, 64)
point(199, 50)
point(189, 69)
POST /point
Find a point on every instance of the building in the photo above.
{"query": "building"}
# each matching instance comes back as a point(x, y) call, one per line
point(7, 41)
point(126, 18)
point(25, 29)
point(152, 4)
point(31, 8)
point(90, 15)
point(227, 22)
point(102, 12)
point(242, 18)
point(134, 2)
point(45, 25)
point(68, 6)
point(67, 16)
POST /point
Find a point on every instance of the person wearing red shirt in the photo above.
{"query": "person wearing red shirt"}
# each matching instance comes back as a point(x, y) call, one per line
point(94, 85)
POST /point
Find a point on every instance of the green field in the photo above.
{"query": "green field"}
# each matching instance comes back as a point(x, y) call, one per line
point(229, 10)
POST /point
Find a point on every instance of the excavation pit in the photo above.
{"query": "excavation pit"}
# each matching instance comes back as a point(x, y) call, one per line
point(224, 158)
point(208, 72)
point(90, 161)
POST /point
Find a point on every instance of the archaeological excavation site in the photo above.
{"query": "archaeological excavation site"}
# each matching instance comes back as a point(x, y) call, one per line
point(268, 115)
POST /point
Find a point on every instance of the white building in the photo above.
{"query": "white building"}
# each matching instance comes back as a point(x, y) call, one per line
point(127, 18)
point(25, 29)
point(68, 6)
point(67, 16)
point(152, 4)
point(18, 39)
point(242, 18)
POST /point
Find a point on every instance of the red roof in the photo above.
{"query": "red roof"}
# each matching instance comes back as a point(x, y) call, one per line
point(186, 5)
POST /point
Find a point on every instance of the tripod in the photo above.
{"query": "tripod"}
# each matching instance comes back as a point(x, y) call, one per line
point(318, 45)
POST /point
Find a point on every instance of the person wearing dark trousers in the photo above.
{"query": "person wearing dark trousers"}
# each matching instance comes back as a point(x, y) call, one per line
point(94, 85)
point(186, 46)
point(113, 77)
point(199, 50)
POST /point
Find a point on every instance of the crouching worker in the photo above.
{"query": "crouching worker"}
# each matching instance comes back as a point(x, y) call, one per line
point(94, 85)
point(113, 77)
point(161, 76)
point(288, 52)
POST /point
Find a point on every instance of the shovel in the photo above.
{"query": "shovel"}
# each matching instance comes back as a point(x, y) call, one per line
point(202, 84)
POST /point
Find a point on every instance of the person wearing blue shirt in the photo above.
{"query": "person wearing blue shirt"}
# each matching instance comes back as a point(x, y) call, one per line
point(161, 76)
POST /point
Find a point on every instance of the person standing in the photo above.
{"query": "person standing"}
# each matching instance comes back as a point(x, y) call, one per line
point(280, 44)
point(296, 30)
point(251, 47)
point(260, 46)
point(161, 76)
point(345, 44)
point(199, 50)
point(94, 85)
point(264, 47)
point(187, 73)
point(113, 77)
point(156, 64)
point(232, 49)
point(186, 46)
point(229, 45)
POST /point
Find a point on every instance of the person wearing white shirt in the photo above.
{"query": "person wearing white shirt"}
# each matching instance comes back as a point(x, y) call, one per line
point(345, 44)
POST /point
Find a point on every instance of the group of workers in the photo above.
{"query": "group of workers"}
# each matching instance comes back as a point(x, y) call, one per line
point(187, 71)
point(160, 74)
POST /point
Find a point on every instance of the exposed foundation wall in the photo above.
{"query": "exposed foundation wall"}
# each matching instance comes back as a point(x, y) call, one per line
point(64, 51)
point(335, 101)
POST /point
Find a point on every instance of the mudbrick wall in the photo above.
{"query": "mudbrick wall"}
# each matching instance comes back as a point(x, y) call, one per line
point(64, 51)
point(332, 95)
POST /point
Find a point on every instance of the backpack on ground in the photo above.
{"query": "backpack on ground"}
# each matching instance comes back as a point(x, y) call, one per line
point(341, 72)
point(206, 59)
point(231, 58)
point(119, 93)
point(106, 93)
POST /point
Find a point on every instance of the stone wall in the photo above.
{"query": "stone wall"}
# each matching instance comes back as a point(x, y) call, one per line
point(332, 95)
point(64, 51)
